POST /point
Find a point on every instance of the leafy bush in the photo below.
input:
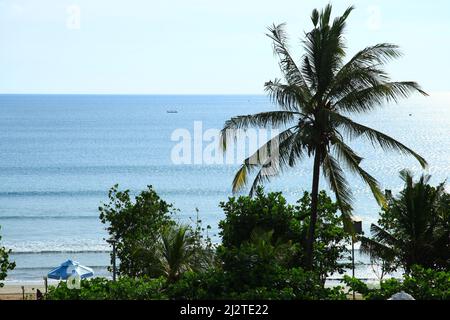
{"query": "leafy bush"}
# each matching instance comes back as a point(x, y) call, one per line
point(148, 242)
point(421, 283)
point(288, 226)
point(387, 288)
point(268, 212)
point(212, 284)
point(5, 264)
point(256, 262)
point(260, 257)
point(103, 289)
point(135, 227)
point(427, 284)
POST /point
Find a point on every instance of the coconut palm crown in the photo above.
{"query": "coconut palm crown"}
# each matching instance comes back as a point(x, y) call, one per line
point(415, 227)
point(317, 97)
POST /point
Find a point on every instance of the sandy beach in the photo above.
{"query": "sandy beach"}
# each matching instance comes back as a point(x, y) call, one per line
point(15, 291)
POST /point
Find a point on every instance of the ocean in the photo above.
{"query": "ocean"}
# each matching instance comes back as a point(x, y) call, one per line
point(61, 153)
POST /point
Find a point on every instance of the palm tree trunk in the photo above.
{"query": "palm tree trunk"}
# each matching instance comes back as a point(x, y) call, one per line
point(313, 218)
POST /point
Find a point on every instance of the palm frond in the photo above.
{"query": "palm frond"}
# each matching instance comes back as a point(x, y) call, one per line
point(363, 70)
point(336, 179)
point(175, 251)
point(353, 80)
point(309, 73)
point(324, 49)
point(269, 169)
point(294, 152)
point(315, 17)
point(288, 66)
point(382, 236)
point(291, 150)
point(288, 97)
point(369, 98)
point(376, 250)
point(378, 54)
point(348, 156)
point(272, 119)
point(267, 157)
point(354, 130)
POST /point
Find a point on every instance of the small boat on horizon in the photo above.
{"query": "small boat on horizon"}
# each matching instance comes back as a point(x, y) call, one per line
point(172, 111)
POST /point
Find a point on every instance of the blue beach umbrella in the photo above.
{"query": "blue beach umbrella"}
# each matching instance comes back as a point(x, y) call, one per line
point(68, 268)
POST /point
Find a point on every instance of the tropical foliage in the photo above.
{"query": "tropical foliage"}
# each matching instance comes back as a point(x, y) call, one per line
point(293, 284)
point(5, 264)
point(285, 284)
point(414, 228)
point(135, 227)
point(148, 241)
point(178, 251)
point(260, 256)
point(421, 283)
point(265, 220)
point(124, 288)
point(319, 94)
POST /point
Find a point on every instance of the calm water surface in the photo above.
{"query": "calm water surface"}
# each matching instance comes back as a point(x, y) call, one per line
point(61, 153)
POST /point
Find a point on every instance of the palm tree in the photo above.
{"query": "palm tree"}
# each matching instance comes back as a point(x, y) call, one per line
point(414, 229)
point(315, 100)
point(177, 251)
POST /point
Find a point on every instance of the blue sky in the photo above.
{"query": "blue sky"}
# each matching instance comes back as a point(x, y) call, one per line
point(197, 46)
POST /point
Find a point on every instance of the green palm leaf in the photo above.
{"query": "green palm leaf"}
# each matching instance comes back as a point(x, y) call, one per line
point(336, 179)
point(290, 70)
point(368, 98)
point(355, 130)
point(272, 119)
point(348, 156)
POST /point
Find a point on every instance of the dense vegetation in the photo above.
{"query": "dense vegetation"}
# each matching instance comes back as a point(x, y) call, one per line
point(262, 252)
point(5, 264)
point(149, 243)
point(421, 283)
point(125, 288)
point(251, 222)
point(413, 229)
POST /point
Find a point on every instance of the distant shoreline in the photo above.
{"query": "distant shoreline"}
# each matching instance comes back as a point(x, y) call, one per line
point(141, 94)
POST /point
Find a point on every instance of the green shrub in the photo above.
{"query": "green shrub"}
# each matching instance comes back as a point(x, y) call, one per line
point(268, 212)
point(256, 263)
point(136, 226)
point(285, 284)
point(103, 289)
point(422, 284)
point(149, 243)
point(427, 284)
point(5, 264)
point(289, 226)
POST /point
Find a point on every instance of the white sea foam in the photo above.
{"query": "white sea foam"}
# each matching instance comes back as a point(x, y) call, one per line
point(57, 245)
